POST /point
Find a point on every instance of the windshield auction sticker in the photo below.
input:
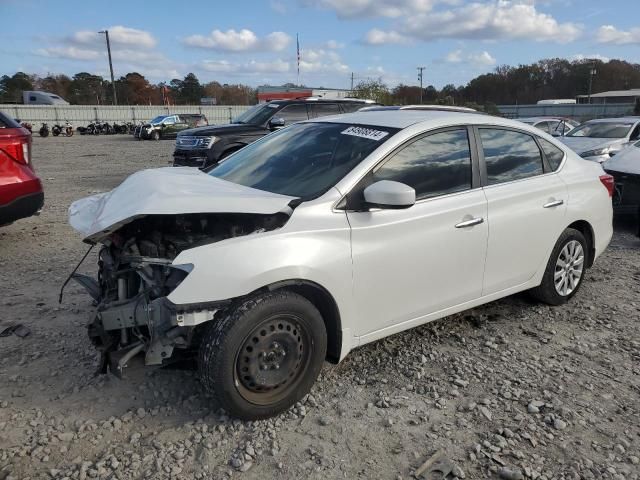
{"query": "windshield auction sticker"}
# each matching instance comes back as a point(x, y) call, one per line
point(369, 133)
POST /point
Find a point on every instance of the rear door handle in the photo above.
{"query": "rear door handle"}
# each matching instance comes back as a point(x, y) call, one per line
point(555, 203)
point(470, 223)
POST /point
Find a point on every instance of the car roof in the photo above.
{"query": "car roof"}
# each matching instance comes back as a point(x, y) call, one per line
point(405, 118)
point(539, 119)
point(323, 100)
point(615, 120)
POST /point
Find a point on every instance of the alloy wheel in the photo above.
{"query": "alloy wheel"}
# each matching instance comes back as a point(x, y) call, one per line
point(569, 268)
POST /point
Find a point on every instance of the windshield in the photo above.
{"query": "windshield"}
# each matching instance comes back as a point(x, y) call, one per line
point(601, 130)
point(158, 119)
point(258, 114)
point(303, 160)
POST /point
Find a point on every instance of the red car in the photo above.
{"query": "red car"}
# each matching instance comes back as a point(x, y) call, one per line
point(21, 193)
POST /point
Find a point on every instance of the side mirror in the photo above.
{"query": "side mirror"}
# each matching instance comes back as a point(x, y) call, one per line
point(276, 123)
point(389, 194)
point(557, 133)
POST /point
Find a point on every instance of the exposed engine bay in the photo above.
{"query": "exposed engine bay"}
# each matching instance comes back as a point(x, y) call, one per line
point(135, 275)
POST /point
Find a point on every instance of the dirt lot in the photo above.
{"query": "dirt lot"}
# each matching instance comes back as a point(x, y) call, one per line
point(512, 390)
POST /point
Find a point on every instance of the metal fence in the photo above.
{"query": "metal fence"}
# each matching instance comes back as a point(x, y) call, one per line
point(81, 115)
point(580, 112)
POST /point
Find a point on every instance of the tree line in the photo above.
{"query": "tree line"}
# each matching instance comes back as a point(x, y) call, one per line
point(523, 84)
point(553, 78)
point(131, 89)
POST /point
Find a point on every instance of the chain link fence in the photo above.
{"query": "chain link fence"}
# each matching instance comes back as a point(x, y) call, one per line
point(82, 115)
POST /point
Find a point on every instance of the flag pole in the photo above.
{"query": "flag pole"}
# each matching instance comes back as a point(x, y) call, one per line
point(298, 57)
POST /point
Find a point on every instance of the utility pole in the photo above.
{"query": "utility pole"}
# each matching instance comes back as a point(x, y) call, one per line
point(420, 70)
point(113, 83)
point(592, 72)
point(352, 83)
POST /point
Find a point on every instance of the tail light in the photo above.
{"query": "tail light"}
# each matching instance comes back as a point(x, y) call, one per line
point(17, 148)
point(609, 183)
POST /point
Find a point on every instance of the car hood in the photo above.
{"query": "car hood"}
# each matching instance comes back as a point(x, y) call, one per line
point(627, 161)
point(167, 191)
point(229, 129)
point(583, 144)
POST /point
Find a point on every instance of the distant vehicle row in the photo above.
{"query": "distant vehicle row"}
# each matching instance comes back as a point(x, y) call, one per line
point(206, 146)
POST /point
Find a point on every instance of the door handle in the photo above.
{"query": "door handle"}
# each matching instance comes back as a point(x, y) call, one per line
point(470, 223)
point(555, 203)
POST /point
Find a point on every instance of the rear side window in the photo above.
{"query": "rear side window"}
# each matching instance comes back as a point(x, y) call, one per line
point(293, 113)
point(434, 165)
point(353, 107)
point(324, 109)
point(554, 154)
point(509, 155)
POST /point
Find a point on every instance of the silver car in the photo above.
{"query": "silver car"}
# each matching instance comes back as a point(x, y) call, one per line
point(556, 126)
point(599, 140)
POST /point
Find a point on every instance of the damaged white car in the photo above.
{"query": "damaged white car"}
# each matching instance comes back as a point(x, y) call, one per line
point(330, 234)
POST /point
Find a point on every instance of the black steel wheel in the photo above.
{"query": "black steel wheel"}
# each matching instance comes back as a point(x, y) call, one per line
point(264, 355)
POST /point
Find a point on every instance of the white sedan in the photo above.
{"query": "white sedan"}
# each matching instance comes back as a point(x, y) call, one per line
point(330, 234)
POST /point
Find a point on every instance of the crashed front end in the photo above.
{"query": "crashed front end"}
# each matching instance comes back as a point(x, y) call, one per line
point(138, 246)
point(136, 273)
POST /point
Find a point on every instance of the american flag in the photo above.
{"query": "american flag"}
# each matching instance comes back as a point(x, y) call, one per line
point(298, 50)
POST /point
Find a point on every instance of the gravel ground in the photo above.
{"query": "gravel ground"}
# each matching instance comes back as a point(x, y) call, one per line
point(511, 390)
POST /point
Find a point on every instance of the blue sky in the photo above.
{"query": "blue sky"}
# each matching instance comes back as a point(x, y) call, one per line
point(254, 41)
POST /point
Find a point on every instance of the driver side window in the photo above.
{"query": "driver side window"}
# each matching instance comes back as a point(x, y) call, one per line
point(635, 134)
point(169, 120)
point(437, 164)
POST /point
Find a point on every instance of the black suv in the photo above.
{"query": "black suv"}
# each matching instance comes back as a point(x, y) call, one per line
point(205, 146)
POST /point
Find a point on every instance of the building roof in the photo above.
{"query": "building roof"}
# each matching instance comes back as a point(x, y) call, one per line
point(634, 92)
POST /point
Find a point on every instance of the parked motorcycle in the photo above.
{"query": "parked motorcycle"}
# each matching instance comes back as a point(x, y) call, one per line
point(26, 125)
point(44, 130)
point(66, 129)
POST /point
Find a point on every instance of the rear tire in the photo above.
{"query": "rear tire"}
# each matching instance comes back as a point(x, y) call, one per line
point(263, 355)
point(565, 269)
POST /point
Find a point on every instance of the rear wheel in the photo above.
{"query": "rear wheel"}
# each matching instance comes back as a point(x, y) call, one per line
point(565, 269)
point(264, 355)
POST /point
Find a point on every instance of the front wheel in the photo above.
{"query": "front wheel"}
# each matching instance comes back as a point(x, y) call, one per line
point(155, 135)
point(565, 269)
point(263, 355)
point(55, 131)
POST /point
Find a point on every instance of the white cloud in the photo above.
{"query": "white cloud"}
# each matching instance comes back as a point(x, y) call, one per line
point(381, 37)
point(69, 53)
point(454, 57)
point(278, 6)
point(502, 19)
point(319, 60)
point(374, 8)
point(239, 41)
point(251, 67)
point(610, 34)
point(334, 44)
point(483, 59)
point(118, 35)
point(594, 56)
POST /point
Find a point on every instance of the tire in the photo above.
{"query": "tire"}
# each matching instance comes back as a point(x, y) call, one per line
point(155, 135)
point(572, 246)
point(55, 131)
point(44, 132)
point(241, 354)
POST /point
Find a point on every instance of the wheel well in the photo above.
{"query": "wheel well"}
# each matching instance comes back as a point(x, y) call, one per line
point(585, 228)
point(327, 307)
